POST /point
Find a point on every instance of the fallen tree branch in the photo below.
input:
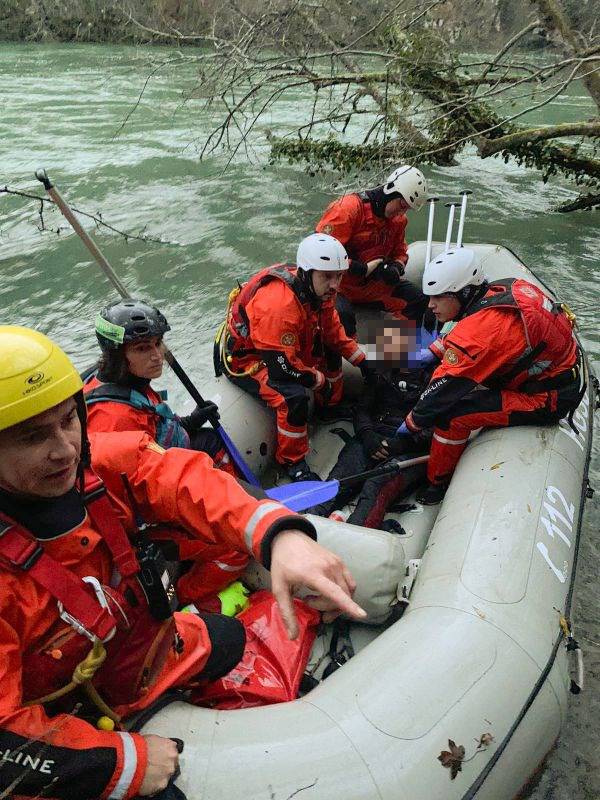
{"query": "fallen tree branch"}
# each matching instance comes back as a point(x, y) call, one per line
point(97, 218)
point(489, 147)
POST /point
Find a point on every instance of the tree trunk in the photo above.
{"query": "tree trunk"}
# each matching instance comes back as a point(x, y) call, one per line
point(554, 18)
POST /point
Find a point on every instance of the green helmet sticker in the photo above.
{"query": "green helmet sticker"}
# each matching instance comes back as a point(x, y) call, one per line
point(110, 331)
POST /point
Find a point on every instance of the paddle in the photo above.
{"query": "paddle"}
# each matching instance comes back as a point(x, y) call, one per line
point(304, 494)
point(235, 454)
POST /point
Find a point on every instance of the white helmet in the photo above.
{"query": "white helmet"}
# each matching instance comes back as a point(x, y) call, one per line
point(452, 271)
point(322, 252)
point(410, 183)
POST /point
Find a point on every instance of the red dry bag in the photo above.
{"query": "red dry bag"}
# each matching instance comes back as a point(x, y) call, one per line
point(272, 666)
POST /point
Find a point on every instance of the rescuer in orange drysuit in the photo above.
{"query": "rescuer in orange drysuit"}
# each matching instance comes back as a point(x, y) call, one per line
point(371, 227)
point(511, 343)
point(86, 598)
point(119, 397)
point(284, 340)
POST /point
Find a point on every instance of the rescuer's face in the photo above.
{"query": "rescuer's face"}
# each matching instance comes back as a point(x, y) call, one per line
point(39, 457)
point(395, 207)
point(146, 357)
point(445, 307)
point(326, 284)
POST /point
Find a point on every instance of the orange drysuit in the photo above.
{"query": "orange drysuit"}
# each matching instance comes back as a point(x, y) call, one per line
point(64, 756)
point(283, 344)
point(206, 577)
point(367, 237)
point(529, 379)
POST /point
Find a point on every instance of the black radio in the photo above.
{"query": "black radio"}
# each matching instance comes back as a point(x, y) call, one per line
point(157, 576)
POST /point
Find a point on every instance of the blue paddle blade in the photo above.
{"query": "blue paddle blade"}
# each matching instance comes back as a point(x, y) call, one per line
point(304, 494)
point(236, 456)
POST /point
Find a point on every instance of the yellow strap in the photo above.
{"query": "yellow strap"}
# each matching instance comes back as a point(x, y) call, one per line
point(569, 314)
point(82, 675)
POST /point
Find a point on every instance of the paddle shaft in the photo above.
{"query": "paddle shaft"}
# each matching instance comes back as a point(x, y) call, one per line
point(112, 276)
point(305, 494)
point(385, 469)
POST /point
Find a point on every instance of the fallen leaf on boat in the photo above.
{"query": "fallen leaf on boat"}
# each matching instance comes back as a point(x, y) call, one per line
point(498, 465)
point(485, 739)
point(453, 758)
point(528, 508)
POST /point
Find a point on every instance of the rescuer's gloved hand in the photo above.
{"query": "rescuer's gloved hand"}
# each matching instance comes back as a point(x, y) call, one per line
point(389, 272)
point(200, 415)
point(358, 267)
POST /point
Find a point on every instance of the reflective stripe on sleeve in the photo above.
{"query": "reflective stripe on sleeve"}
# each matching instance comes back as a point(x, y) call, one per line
point(226, 567)
point(292, 434)
point(357, 354)
point(319, 380)
point(129, 767)
point(443, 440)
point(335, 378)
point(260, 513)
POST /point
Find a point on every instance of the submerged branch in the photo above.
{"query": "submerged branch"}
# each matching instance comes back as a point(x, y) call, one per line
point(582, 202)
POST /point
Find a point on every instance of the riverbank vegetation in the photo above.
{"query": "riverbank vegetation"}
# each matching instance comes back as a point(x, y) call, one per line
point(378, 82)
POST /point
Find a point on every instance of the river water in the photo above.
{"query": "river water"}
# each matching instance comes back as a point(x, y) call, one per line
point(63, 107)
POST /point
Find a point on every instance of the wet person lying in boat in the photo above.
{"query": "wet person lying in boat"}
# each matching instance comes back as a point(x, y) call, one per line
point(510, 359)
point(119, 397)
point(371, 225)
point(283, 342)
point(398, 370)
point(72, 591)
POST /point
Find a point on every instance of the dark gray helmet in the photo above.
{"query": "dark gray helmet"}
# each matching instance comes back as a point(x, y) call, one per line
point(127, 321)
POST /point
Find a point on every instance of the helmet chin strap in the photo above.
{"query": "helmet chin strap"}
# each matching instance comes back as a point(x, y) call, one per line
point(470, 294)
point(379, 200)
point(305, 279)
point(85, 458)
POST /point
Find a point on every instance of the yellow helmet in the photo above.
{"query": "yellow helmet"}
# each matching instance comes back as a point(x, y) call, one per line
point(35, 375)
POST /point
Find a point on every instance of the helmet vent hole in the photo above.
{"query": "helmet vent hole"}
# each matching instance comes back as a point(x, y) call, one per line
point(474, 272)
point(439, 261)
point(431, 283)
point(325, 258)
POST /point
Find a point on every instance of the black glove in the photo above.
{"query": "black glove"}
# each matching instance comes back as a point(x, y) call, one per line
point(389, 272)
point(200, 415)
point(371, 441)
point(358, 267)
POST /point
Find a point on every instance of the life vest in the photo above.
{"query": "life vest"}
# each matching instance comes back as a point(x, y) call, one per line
point(238, 325)
point(137, 644)
point(169, 430)
point(548, 331)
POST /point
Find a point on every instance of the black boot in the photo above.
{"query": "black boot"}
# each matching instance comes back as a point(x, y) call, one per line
point(432, 494)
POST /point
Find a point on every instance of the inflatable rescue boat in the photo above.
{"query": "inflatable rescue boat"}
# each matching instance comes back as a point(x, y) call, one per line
point(482, 657)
